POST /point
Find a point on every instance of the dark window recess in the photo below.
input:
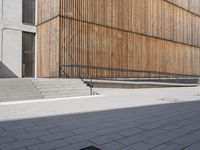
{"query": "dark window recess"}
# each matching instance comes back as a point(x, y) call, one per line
point(28, 12)
point(28, 54)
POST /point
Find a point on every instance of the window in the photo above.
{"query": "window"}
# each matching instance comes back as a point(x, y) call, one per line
point(28, 54)
point(28, 12)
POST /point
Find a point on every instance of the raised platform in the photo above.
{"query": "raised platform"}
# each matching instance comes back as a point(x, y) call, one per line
point(135, 84)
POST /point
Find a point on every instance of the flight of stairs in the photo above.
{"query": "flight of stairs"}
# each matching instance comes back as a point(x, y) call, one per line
point(30, 89)
point(58, 88)
point(17, 89)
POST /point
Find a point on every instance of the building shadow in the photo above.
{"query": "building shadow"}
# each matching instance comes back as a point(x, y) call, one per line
point(5, 72)
point(175, 125)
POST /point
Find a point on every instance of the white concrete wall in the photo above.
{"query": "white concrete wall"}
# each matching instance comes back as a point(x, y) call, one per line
point(11, 28)
point(12, 54)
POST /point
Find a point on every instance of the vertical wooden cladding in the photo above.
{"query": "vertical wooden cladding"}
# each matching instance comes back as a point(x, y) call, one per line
point(48, 48)
point(47, 9)
point(156, 18)
point(133, 34)
point(93, 45)
point(190, 5)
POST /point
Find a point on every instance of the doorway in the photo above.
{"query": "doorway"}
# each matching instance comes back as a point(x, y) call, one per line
point(28, 55)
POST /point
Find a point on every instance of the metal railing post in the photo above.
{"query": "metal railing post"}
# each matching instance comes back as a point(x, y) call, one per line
point(91, 86)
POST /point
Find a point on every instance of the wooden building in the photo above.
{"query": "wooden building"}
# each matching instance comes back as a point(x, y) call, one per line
point(155, 35)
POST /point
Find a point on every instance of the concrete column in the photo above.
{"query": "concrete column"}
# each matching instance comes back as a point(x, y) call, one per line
point(11, 28)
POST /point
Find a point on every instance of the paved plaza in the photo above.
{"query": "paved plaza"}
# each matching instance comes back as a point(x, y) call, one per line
point(118, 119)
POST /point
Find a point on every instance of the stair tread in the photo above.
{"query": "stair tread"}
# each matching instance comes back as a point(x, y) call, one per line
point(1, 97)
point(22, 89)
point(59, 93)
point(72, 95)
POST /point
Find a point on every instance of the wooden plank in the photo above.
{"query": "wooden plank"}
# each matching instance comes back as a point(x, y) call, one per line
point(48, 49)
point(152, 18)
point(126, 50)
point(133, 34)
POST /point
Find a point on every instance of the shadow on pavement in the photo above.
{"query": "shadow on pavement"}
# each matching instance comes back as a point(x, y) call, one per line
point(167, 126)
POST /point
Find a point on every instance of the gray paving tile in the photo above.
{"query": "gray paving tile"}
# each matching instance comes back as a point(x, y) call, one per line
point(1, 130)
point(111, 146)
point(81, 137)
point(177, 133)
point(129, 132)
point(77, 146)
point(13, 133)
point(59, 129)
point(23, 148)
point(19, 126)
point(195, 118)
point(56, 136)
point(145, 121)
point(109, 123)
point(19, 144)
point(158, 140)
point(48, 145)
point(188, 139)
point(132, 139)
point(41, 127)
point(153, 125)
point(106, 139)
point(127, 125)
point(8, 124)
point(194, 146)
point(31, 135)
point(154, 132)
point(193, 126)
point(83, 130)
point(138, 146)
point(7, 140)
point(108, 130)
point(168, 146)
point(173, 126)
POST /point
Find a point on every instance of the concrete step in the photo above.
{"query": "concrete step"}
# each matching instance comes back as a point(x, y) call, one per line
point(56, 88)
point(26, 89)
point(13, 88)
point(14, 83)
point(56, 82)
point(20, 81)
point(61, 89)
point(16, 98)
point(134, 84)
point(19, 93)
point(67, 95)
point(65, 92)
point(28, 86)
point(59, 86)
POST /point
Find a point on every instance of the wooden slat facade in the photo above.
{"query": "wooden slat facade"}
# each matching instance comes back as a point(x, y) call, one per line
point(47, 10)
point(48, 49)
point(190, 5)
point(151, 35)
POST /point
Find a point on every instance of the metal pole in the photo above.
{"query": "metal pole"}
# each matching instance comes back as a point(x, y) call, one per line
point(91, 86)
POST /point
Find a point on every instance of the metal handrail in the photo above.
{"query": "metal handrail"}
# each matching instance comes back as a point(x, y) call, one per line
point(149, 73)
point(62, 70)
point(126, 70)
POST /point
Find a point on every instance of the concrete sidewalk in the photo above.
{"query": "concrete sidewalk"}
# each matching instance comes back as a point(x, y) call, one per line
point(118, 120)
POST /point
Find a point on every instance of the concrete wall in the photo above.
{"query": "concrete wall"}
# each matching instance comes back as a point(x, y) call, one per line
point(11, 28)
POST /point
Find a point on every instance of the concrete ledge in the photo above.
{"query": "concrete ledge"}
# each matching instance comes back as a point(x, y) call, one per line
point(134, 84)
